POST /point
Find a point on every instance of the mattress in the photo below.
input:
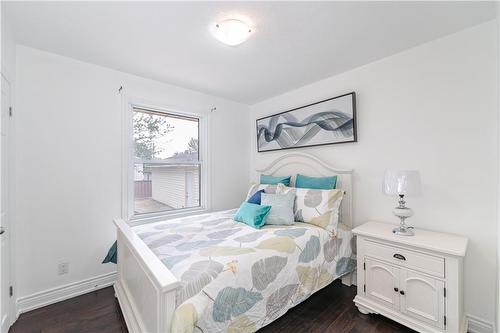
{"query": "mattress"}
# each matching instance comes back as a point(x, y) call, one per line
point(235, 278)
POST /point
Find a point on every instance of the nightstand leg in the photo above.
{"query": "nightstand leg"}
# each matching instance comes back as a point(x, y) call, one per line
point(363, 310)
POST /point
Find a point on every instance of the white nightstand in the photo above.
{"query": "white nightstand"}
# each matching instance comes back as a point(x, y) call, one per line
point(414, 280)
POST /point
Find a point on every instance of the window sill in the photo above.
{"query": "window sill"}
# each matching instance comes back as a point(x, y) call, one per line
point(136, 220)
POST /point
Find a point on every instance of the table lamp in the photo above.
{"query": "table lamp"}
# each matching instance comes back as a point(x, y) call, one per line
point(402, 183)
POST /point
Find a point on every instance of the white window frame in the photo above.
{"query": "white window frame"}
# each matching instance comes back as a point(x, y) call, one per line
point(128, 165)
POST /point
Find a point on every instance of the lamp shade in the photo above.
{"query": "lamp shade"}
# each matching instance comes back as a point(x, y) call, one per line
point(405, 182)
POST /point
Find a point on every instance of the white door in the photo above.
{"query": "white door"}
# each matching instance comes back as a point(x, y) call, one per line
point(4, 222)
point(423, 298)
point(382, 283)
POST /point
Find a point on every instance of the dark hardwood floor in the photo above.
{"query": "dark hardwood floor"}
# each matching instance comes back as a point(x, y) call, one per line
point(329, 310)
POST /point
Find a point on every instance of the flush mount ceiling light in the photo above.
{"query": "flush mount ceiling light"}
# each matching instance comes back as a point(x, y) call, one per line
point(232, 31)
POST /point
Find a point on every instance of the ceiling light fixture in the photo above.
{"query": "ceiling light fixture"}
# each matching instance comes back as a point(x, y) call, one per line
point(232, 32)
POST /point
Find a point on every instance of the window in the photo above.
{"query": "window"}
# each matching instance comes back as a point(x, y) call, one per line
point(167, 167)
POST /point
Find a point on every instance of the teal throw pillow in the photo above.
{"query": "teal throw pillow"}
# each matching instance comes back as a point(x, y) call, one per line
point(252, 214)
point(316, 183)
point(266, 179)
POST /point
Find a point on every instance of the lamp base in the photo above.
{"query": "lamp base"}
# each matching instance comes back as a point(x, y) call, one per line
point(403, 231)
point(403, 213)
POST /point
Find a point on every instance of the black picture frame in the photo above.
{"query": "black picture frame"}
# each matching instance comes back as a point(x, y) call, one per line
point(354, 124)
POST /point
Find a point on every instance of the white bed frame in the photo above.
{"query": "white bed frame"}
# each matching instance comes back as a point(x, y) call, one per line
point(146, 289)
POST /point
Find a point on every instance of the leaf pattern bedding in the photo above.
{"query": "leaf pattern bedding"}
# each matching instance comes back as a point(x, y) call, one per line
point(238, 279)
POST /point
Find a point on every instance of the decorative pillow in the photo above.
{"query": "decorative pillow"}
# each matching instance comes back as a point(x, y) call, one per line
point(317, 207)
point(265, 179)
point(281, 208)
point(256, 197)
point(252, 214)
point(271, 189)
point(318, 183)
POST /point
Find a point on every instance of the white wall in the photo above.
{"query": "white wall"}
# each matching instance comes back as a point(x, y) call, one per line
point(497, 312)
point(68, 161)
point(431, 108)
point(8, 51)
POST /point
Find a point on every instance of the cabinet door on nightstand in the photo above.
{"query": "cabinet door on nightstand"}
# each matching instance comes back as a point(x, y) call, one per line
point(423, 298)
point(382, 283)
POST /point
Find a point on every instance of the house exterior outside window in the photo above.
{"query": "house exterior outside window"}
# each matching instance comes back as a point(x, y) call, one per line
point(167, 166)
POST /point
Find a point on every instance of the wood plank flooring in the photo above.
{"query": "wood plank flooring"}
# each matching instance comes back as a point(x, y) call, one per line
point(330, 310)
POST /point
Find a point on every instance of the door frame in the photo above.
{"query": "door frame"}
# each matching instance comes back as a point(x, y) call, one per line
point(13, 314)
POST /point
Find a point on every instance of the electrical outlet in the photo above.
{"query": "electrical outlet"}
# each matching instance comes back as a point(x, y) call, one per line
point(63, 268)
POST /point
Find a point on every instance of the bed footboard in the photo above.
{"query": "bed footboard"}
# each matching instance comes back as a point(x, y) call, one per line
point(145, 288)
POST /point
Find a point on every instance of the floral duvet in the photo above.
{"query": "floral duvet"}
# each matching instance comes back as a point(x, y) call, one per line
point(238, 279)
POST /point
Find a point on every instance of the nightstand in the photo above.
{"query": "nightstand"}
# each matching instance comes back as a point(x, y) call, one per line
point(414, 280)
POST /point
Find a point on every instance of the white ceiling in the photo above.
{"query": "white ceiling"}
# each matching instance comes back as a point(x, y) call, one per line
point(293, 44)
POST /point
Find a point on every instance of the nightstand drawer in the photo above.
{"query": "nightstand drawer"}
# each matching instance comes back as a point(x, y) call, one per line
point(404, 257)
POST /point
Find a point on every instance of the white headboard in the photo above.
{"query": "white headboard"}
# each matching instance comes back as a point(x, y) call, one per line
point(290, 164)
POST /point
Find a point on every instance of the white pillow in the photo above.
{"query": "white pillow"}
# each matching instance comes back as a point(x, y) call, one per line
point(317, 207)
point(270, 189)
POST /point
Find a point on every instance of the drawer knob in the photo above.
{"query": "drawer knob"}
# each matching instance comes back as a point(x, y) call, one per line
point(401, 292)
point(399, 256)
point(396, 289)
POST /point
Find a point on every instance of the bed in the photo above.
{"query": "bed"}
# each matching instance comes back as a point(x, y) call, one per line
point(208, 273)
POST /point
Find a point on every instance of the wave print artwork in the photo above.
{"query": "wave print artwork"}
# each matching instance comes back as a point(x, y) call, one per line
point(327, 122)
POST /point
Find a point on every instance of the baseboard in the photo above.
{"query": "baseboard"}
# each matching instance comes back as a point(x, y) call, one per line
point(478, 325)
point(51, 296)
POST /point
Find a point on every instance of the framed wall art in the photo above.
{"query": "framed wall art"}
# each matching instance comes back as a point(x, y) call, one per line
point(326, 122)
